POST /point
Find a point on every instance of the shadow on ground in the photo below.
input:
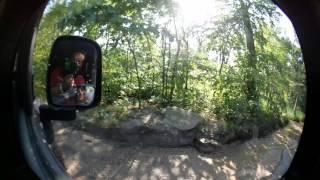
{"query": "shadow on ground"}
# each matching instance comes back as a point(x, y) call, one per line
point(91, 155)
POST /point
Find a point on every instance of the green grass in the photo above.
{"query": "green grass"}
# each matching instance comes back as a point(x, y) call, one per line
point(297, 116)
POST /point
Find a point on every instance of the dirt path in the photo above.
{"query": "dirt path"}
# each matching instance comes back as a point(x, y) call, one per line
point(89, 157)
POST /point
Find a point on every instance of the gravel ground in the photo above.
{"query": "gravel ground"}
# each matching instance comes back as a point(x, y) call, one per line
point(88, 156)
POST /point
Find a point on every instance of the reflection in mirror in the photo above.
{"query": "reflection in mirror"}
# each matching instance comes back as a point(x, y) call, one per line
point(72, 72)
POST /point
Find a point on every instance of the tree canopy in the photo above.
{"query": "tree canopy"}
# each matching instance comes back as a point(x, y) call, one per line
point(236, 67)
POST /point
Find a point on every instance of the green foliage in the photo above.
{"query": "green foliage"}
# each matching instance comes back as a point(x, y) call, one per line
point(146, 63)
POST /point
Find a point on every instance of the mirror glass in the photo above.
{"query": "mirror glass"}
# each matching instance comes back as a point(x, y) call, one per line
point(72, 72)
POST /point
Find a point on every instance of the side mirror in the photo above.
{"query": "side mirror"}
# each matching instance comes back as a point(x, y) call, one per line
point(74, 73)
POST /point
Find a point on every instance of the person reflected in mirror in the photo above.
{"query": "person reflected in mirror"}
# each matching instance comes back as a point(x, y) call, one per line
point(65, 93)
point(81, 96)
point(85, 95)
point(76, 66)
point(90, 94)
point(71, 69)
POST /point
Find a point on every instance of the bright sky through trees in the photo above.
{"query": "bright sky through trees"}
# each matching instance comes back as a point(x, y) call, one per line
point(197, 12)
point(192, 12)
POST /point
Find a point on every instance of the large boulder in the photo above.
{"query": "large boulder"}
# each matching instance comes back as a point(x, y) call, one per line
point(169, 128)
point(171, 117)
point(147, 117)
point(181, 119)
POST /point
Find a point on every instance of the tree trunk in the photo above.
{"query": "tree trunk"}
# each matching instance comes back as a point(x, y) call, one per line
point(153, 69)
point(252, 58)
point(137, 72)
point(186, 67)
point(164, 46)
point(224, 56)
point(127, 66)
point(295, 106)
point(221, 59)
point(168, 66)
point(174, 73)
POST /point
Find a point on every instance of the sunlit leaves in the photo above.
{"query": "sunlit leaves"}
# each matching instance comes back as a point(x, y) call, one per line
point(209, 74)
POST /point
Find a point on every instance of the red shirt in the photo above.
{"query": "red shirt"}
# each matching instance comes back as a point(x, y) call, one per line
point(57, 78)
point(79, 80)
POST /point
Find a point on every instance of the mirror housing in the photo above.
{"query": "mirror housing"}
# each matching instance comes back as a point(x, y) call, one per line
point(74, 73)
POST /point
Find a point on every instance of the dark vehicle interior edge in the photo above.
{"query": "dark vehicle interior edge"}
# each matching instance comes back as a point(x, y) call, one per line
point(24, 156)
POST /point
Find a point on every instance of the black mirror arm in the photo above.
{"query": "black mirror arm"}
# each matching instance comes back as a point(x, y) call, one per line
point(58, 114)
point(48, 113)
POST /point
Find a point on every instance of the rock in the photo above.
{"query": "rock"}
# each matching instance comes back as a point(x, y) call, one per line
point(152, 127)
point(174, 127)
point(213, 130)
point(173, 138)
point(204, 145)
point(131, 124)
point(181, 119)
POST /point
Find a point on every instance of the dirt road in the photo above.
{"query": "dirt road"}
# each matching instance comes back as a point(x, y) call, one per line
point(87, 156)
